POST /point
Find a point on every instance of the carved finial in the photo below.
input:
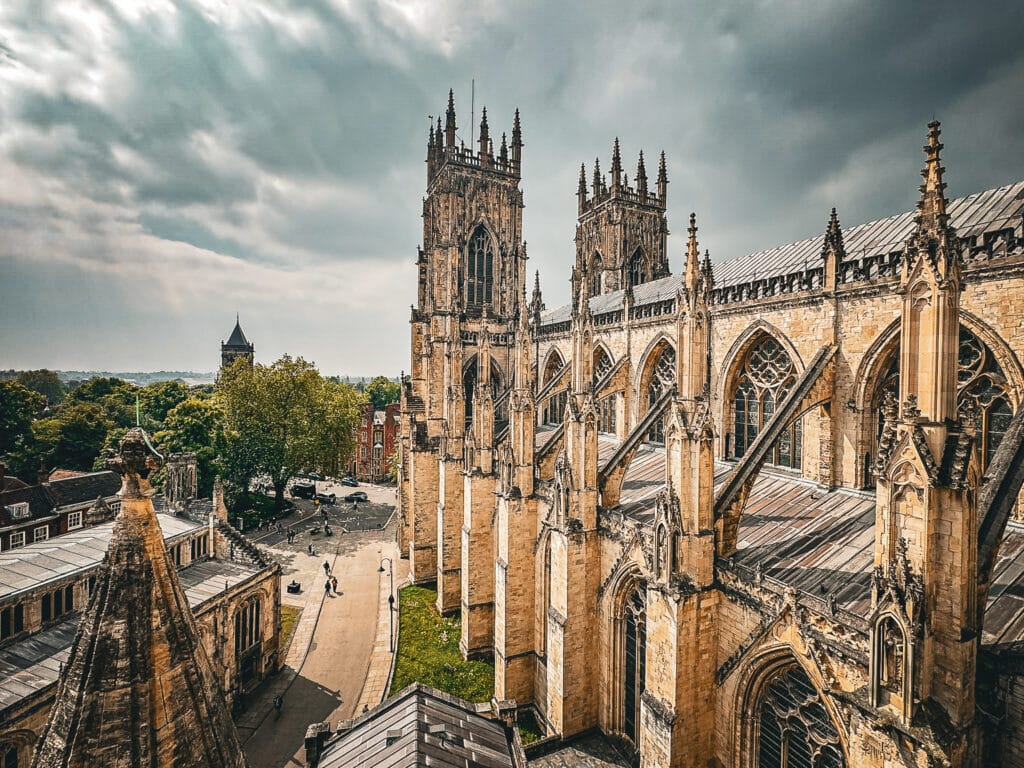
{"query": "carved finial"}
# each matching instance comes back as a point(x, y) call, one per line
point(833, 238)
point(449, 123)
point(616, 170)
point(503, 152)
point(641, 176)
point(662, 178)
point(135, 459)
point(485, 137)
point(691, 271)
point(596, 183)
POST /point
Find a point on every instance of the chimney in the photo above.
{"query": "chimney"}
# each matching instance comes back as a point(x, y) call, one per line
point(44, 475)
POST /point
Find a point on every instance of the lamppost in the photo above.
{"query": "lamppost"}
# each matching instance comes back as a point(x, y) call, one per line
point(391, 601)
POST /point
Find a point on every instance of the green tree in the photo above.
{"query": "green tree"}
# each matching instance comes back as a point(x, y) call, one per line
point(18, 405)
point(195, 424)
point(283, 418)
point(382, 391)
point(45, 382)
point(157, 399)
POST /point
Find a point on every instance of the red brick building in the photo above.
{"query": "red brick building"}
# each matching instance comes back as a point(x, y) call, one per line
point(375, 443)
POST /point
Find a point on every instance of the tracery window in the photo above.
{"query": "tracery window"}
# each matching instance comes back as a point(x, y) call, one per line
point(794, 729)
point(765, 379)
point(479, 280)
point(469, 379)
point(596, 266)
point(662, 379)
point(606, 406)
point(637, 268)
point(634, 667)
point(248, 631)
point(554, 408)
point(981, 384)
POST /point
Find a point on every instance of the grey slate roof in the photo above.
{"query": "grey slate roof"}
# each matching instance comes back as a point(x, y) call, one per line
point(47, 497)
point(973, 216)
point(421, 726)
point(237, 338)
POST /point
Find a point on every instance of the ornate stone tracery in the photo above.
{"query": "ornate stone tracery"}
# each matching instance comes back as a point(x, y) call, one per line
point(766, 375)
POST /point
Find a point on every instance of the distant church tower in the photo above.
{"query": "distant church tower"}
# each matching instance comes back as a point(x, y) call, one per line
point(237, 346)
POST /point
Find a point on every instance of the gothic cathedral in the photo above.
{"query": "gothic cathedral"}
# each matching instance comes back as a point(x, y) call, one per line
point(756, 514)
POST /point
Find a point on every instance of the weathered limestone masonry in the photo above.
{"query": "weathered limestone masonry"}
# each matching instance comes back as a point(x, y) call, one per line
point(138, 693)
point(759, 514)
point(456, 399)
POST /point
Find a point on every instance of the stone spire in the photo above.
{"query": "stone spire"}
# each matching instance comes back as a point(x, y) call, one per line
point(503, 152)
point(581, 191)
point(449, 123)
point(833, 251)
point(517, 141)
point(138, 689)
point(692, 272)
point(662, 178)
point(641, 176)
point(616, 165)
point(536, 301)
point(485, 135)
point(595, 184)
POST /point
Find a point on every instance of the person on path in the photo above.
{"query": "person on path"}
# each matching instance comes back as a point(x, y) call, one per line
point(334, 584)
point(327, 568)
point(327, 587)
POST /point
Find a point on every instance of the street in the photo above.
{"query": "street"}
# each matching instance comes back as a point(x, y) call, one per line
point(331, 650)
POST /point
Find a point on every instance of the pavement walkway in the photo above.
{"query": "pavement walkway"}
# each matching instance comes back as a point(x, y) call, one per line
point(339, 658)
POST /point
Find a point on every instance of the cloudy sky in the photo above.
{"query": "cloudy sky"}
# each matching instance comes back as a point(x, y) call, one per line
point(166, 164)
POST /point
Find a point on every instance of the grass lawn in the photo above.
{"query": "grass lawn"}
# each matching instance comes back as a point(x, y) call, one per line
point(289, 619)
point(428, 650)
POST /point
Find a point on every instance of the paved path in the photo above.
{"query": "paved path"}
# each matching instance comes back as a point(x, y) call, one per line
point(330, 657)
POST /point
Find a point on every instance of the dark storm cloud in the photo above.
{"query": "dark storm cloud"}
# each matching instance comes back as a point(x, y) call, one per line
point(268, 156)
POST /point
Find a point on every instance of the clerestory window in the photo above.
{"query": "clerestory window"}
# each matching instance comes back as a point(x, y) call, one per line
point(479, 274)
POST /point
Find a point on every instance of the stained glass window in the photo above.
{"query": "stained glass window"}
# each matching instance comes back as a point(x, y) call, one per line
point(767, 375)
point(795, 730)
point(662, 379)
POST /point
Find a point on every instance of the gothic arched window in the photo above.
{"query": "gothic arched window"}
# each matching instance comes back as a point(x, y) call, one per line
point(981, 386)
point(479, 273)
point(554, 408)
point(606, 405)
point(634, 661)
point(637, 268)
point(794, 728)
point(765, 378)
point(661, 379)
point(469, 379)
point(596, 266)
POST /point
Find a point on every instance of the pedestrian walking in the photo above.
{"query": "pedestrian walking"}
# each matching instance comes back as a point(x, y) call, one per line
point(327, 568)
point(334, 584)
point(309, 548)
point(327, 587)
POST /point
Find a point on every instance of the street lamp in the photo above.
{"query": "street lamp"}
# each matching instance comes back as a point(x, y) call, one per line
point(391, 601)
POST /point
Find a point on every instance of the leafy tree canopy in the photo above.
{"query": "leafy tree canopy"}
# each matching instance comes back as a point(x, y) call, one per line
point(18, 405)
point(195, 425)
point(382, 391)
point(45, 382)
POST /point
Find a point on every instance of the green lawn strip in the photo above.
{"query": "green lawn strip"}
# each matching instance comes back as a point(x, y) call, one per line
point(428, 651)
point(289, 620)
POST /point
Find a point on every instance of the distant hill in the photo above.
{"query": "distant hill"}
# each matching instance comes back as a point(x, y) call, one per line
point(142, 377)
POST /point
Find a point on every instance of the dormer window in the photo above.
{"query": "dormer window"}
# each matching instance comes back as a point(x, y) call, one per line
point(19, 511)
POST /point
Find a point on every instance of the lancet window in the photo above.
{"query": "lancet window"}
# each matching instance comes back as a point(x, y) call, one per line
point(248, 630)
point(469, 379)
point(554, 408)
point(638, 268)
point(764, 381)
point(479, 272)
point(606, 406)
point(661, 380)
point(596, 266)
point(794, 728)
point(634, 661)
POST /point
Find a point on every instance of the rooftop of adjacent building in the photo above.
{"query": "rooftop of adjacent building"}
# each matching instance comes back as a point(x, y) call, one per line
point(794, 533)
point(59, 492)
point(986, 220)
point(32, 663)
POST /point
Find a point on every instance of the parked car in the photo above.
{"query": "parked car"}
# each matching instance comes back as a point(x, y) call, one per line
point(351, 482)
point(303, 490)
point(325, 498)
point(314, 476)
point(357, 496)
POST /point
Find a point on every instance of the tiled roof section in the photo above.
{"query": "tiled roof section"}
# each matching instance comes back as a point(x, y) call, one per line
point(60, 474)
point(34, 663)
point(421, 726)
point(39, 504)
point(237, 338)
point(25, 568)
point(83, 488)
point(991, 222)
point(993, 210)
point(821, 542)
point(593, 750)
point(10, 483)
